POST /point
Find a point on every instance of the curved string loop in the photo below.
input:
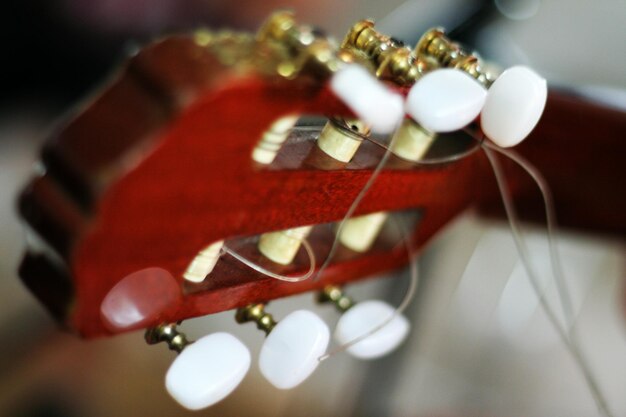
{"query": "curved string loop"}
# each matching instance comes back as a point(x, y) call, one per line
point(566, 337)
point(267, 272)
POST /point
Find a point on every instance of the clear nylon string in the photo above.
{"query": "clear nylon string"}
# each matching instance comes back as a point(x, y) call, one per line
point(569, 342)
point(264, 271)
point(431, 161)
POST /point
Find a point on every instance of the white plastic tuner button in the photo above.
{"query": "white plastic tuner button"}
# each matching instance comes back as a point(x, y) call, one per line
point(364, 317)
point(514, 104)
point(374, 103)
point(291, 351)
point(207, 370)
point(445, 100)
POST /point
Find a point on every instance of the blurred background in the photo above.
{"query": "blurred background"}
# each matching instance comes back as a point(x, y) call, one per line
point(480, 344)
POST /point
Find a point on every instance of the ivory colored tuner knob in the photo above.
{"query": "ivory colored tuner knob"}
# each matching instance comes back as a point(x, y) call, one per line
point(290, 352)
point(207, 370)
point(364, 317)
point(514, 105)
point(372, 101)
point(445, 100)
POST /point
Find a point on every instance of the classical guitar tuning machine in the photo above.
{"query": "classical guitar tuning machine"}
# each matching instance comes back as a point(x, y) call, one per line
point(358, 319)
point(292, 347)
point(299, 48)
point(515, 100)
point(205, 371)
point(434, 44)
point(390, 58)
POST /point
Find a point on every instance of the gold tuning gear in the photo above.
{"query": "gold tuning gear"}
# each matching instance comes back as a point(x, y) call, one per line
point(256, 313)
point(436, 45)
point(390, 58)
point(335, 295)
point(300, 48)
point(168, 333)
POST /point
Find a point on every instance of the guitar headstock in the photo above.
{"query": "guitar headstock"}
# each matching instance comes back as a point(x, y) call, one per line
point(213, 137)
point(215, 162)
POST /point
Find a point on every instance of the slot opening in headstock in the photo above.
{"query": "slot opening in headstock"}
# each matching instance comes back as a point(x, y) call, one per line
point(295, 146)
point(229, 270)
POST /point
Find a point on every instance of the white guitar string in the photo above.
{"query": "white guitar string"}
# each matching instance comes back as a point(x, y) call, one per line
point(430, 161)
point(567, 338)
point(265, 271)
point(552, 230)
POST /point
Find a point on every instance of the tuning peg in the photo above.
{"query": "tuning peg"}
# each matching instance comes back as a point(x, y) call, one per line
point(282, 246)
point(514, 105)
point(205, 371)
point(273, 138)
point(204, 262)
point(445, 100)
point(291, 350)
point(359, 233)
point(373, 102)
point(359, 318)
point(411, 141)
point(341, 138)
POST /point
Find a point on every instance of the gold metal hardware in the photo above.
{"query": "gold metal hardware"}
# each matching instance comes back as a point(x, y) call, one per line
point(390, 58)
point(334, 294)
point(169, 334)
point(435, 44)
point(257, 314)
point(299, 48)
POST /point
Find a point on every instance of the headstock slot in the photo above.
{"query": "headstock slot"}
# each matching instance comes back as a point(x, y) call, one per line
point(230, 272)
point(299, 151)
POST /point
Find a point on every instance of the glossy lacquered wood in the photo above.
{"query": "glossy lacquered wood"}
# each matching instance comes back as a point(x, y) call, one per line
point(159, 165)
point(146, 176)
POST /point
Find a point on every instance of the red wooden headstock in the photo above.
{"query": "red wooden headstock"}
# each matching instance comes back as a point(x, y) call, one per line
point(159, 165)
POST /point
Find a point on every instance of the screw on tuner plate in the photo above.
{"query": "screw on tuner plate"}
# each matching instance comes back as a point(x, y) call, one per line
point(205, 371)
point(291, 350)
point(358, 319)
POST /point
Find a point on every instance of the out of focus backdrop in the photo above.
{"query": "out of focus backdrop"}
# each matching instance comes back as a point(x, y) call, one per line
point(480, 344)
